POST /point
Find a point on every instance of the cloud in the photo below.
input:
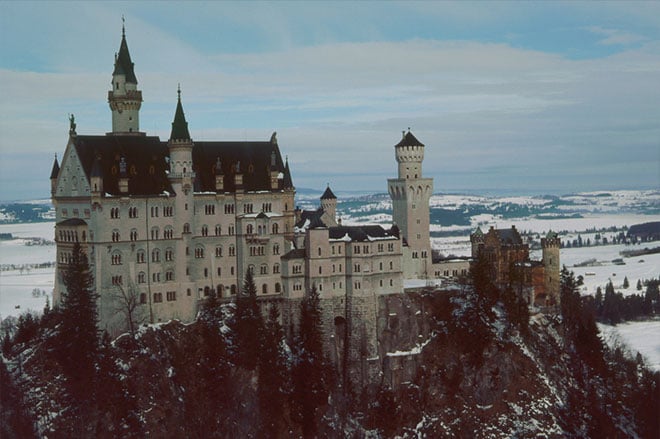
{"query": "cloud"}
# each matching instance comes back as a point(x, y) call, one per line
point(616, 36)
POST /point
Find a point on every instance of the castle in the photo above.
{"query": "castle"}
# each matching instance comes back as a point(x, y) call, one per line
point(165, 223)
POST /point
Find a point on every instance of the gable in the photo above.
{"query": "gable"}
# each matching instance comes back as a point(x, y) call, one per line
point(72, 180)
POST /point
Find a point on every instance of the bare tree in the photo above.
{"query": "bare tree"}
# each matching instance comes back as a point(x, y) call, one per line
point(128, 303)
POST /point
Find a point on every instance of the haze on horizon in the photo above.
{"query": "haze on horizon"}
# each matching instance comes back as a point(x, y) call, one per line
point(544, 97)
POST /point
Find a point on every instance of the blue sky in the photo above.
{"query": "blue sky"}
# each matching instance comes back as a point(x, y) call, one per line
point(531, 97)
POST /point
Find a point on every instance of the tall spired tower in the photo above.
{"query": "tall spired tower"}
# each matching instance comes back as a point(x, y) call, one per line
point(125, 99)
point(410, 195)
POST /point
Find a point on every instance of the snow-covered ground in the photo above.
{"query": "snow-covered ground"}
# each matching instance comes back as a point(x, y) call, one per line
point(17, 285)
point(642, 337)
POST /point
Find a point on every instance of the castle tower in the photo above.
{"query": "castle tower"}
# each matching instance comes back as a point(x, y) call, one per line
point(410, 194)
point(551, 245)
point(181, 177)
point(125, 99)
point(477, 241)
point(329, 206)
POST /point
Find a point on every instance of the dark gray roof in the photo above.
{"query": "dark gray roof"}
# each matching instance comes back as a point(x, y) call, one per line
point(313, 216)
point(509, 236)
point(123, 63)
point(56, 169)
point(362, 233)
point(298, 253)
point(179, 126)
point(255, 164)
point(328, 195)
point(145, 161)
point(409, 140)
point(71, 222)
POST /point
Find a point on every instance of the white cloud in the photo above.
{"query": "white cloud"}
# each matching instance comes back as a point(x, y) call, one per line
point(616, 36)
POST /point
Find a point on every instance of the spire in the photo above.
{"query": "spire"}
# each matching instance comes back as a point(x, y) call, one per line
point(328, 195)
point(56, 169)
point(123, 63)
point(179, 126)
point(287, 183)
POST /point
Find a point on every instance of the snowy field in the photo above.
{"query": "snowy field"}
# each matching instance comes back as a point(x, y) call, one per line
point(642, 337)
point(17, 285)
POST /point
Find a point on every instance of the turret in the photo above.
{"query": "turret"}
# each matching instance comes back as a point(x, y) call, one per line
point(477, 241)
point(551, 245)
point(329, 206)
point(124, 99)
point(180, 145)
point(53, 176)
point(409, 156)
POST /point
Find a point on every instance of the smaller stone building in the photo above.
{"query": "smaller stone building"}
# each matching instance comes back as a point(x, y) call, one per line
point(511, 266)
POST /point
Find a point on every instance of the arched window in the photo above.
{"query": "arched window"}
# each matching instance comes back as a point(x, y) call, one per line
point(140, 257)
point(199, 252)
point(220, 290)
point(218, 251)
point(249, 229)
point(186, 228)
point(205, 230)
point(276, 228)
point(278, 287)
point(155, 255)
point(141, 277)
point(233, 289)
point(264, 289)
point(218, 230)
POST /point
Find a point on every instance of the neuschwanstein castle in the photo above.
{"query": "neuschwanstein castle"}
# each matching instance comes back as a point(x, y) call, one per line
point(171, 221)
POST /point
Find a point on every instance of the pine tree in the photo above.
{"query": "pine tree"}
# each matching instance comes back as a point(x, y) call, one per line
point(639, 285)
point(78, 335)
point(310, 374)
point(272, 374)
point(248, 324)
point(626, 284)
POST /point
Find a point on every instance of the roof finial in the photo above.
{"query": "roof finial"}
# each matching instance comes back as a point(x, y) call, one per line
point(178, 91)
point(123, 28)
point(408, 129)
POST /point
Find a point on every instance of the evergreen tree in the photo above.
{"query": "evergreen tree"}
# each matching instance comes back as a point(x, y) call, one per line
point(248, 324)
point(78, 335)
point(626, 284)
point(272, 375)
point(611, 305)
point(310, 371)
point(598, 302)
point(639, 285)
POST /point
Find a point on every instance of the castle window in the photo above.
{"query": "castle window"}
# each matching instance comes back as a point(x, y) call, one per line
point(171, 296)
point(65, 213)
point(320, 270)
point(391, 265)
point(199, 252)
point(134, 234)
point(232, 289)
point(276, 268)
point(155, 277)
point(390, 247)
point(424, 254)
point(276, 249)
point(116, 258)
point(264, 289)
point(117, 280)
point(340, 268)
point(356, 249)
point(132, 212)
point(154, 211)
point(251, 268)
point(169, 232)
point(169, 275)
point(140, 257)
point(168, 211)
point(186, 228)
point(114, 213)
point(381, 282)
point(155, 232)
point(232, 250)
point(188, 292)
point(231, 229)
point(357, 285)
point(143, 299)
point(155, 255)
point(206, 272)
point(333, 249)
point(158, 297)
point(278, 287)
point(249, 229)
point(218, 230)
point(220, 290)
point(115, 236)
point(356, 268)
point(333, 268)
point(365, 249)
point(218, 251)
point(263, 269)
point(319, 251)
point(380, 248)
point(229, 208)
point(141, 277)
point(276, 228)
point(231, 269)
point(219, 271)
point(205, 230)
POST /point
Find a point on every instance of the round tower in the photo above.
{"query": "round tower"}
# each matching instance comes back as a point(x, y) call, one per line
point(124, 98)
point(329, 206)
point(551, 245)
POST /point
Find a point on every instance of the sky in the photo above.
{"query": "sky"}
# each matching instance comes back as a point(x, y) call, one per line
point(508, 97)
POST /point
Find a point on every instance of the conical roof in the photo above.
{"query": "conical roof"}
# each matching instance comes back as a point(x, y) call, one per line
point(287, 183)
point(328, 195)
point(409, 140)
point(56, 169)
point(123, 63)
point(179, 126)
